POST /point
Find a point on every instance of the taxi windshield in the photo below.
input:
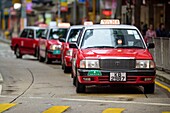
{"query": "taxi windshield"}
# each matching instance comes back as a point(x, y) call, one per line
point(112, 38)
point(39, 32)
point(74, 33)
point(58, 33)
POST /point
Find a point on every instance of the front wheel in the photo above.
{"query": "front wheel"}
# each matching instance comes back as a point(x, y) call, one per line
point(80, 88)
point(149, 89)
point(47, 60)
point(18, 53)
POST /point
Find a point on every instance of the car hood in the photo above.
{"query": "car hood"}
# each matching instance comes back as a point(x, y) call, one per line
point(55, 42)
point(116, 53)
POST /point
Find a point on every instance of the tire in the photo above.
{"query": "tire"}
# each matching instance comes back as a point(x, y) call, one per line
point(80, 88)
point(18, 53)
point(149, 89)
point(47, 60)
point(37, 53)
point(66, 69)
point(41, 59)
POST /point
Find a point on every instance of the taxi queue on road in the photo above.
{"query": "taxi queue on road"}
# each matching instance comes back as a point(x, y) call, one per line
point(105, 54)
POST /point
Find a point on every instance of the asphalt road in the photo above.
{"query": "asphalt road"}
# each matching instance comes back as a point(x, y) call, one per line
point(32, 87)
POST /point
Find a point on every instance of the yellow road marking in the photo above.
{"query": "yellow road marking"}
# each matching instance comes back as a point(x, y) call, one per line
point(113, 110)
point(166, 112)
point(163, 86)
point(5, 106)
point(56, 109)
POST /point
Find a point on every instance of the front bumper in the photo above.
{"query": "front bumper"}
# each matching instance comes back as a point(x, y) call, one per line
point(53, 55)
point(133, 77)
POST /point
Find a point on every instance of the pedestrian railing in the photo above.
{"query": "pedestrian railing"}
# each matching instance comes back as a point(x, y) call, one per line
point(161, 53)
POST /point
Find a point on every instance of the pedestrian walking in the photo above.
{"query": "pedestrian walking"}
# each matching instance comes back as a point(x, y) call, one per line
point(150, 34)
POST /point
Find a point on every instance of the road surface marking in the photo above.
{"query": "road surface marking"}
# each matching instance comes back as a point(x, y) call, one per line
point(119, 102)
point(6, 106)
point(166, 112)
point(163, 86)
point(113, 110)
point(1, 79)
point(56, 109)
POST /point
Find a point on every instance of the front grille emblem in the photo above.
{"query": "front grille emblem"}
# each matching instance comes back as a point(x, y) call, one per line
point(117, 63)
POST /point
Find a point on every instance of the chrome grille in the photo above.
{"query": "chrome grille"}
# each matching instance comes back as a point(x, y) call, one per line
point(117, 64)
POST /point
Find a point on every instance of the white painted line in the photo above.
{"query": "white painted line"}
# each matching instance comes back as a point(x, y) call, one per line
point(118, 102)
point(1, 79)
point(0, 89)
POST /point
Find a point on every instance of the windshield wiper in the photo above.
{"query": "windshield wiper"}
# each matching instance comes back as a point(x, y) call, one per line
point(123, 46)
point(100, 47)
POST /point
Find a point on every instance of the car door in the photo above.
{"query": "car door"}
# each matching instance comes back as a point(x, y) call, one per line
point(30, 42)
point(23, 40)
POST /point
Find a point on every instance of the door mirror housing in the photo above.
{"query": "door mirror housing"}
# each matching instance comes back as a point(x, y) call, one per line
point(151, 45)
point(73, 45)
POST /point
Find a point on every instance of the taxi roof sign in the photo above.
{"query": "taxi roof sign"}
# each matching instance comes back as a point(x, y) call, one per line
point(64, 25)
point(88, 23)
point(110, 22)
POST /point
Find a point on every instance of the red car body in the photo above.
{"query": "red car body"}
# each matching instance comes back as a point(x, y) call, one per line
point(27, 42)
point(97, 63)
point(66, 52)
point(50, 48)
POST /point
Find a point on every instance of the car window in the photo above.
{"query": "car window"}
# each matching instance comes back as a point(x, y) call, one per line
point(24, 33)
point(58, 33)
point(123, 38)
point(74, 33)
point(31, 34)
point(39, 32)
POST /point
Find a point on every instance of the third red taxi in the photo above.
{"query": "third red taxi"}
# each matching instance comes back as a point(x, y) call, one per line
point(112, 55)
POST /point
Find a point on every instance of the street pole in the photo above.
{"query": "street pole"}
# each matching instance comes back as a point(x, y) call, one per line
point(94, 11)
point(59, 11)
point(74, 12)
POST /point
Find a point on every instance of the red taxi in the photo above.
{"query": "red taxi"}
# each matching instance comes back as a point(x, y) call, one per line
point(27, 41)
point(49, 44)
point(112, 55)
point(66, 52)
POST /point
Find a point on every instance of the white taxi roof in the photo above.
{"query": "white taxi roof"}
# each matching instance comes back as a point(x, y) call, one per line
point(34, 27)
point(121, 26)
point(76, 26)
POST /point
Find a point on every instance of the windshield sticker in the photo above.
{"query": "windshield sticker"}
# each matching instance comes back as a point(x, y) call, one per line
point(137, 37)
point(135, 32)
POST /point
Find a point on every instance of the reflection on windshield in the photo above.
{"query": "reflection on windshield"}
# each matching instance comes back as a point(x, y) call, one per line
point(112, 38)
point(57, 33)
point(39, 32)
point(74, 33)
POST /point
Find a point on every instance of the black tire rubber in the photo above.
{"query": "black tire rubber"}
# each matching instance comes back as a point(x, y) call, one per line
point(66, 69)
point(149, 89)
point(80, 88)
point(47, 60)
point(18, 53)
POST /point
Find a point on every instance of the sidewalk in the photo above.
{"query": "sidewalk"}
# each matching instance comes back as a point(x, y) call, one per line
point(160, 75)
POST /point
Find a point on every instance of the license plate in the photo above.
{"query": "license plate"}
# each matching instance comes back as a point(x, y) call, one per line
point(116, 77)
point(56, 52)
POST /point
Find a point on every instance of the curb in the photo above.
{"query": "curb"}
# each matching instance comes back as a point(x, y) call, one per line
point(163, 79)
point(5, 41)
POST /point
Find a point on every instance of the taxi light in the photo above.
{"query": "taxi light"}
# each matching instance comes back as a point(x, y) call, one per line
point(88, 23)
point(110, 22)
point(63, 25)
point(147, 79)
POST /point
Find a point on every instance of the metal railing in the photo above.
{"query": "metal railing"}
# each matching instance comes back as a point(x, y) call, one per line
point(161, 53)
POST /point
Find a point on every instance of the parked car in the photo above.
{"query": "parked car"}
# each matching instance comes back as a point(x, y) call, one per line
point(49, 44)
point(112, 55)
point(27, 41)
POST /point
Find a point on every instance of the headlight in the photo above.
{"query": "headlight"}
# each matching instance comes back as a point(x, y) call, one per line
point(55, 47)
point(143, 64)
point(89, 64)
point(69, 52)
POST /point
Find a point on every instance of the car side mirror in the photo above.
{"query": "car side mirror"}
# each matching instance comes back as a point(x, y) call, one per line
point(151, 45)
point(73, 45)
point(62, 39)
